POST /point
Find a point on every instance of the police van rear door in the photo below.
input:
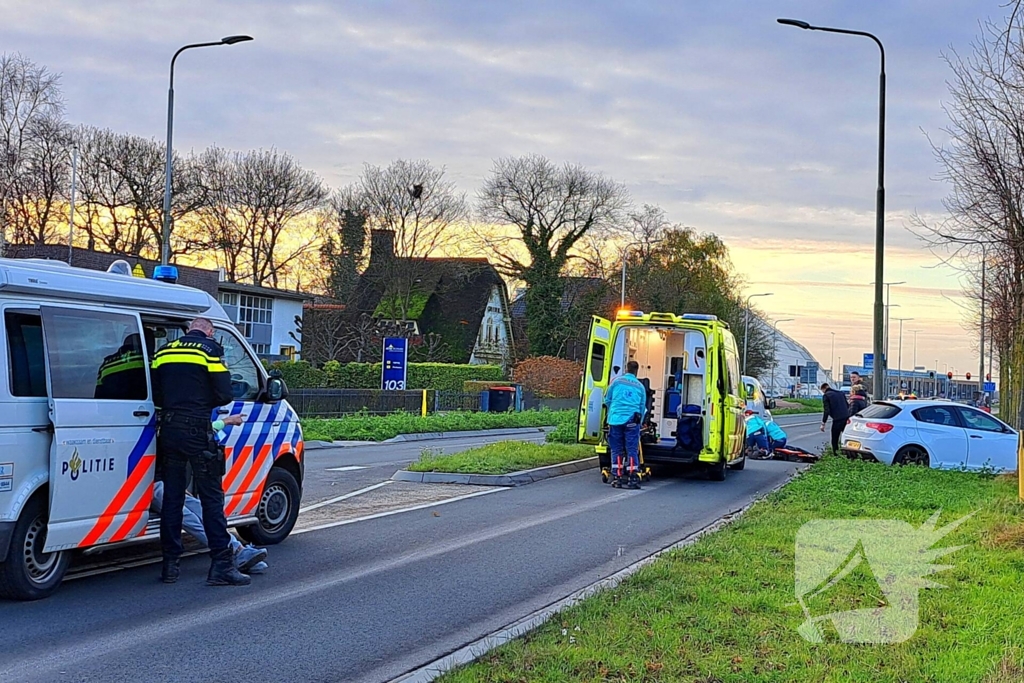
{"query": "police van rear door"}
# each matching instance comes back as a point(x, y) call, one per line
point(103, 455)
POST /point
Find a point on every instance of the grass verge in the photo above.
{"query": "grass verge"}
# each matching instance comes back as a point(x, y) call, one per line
point(364, 427)
point(724, 609)
point(503, 457)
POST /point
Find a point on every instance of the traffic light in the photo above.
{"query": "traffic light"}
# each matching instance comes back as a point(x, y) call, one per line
point(949, 375)
point(968, 376)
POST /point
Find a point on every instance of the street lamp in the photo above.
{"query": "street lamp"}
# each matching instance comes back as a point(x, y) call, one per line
point(625, 256)
point(832, 356)
point(915, 347)
point(899, 358)
point(981, 347)
point(165, 248)
point(746, 324)
point(879, 194)
point(775, 346)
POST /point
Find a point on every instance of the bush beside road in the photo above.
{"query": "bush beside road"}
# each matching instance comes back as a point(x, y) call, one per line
point(503, 457)
point(363, 427)
point(724, 608)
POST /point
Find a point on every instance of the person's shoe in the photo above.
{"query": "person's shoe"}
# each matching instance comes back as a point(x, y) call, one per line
point(170, 571)
point(634, 482)
point(224, 573)
point(258, 568)
point(248, 557)
point(617, 482)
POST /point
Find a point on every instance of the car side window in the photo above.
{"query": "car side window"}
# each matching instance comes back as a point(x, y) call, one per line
point(25, 353)
point(974, 419)
point(245, 377)
point(938, 415)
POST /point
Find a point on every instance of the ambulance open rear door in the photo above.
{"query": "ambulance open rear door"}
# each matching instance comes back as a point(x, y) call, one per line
point(103, 454)
point(595, 382)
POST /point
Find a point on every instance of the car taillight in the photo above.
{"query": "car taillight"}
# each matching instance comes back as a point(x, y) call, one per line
point(880, 427)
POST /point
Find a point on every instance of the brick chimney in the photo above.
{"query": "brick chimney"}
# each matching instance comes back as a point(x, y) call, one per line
point(382, 245)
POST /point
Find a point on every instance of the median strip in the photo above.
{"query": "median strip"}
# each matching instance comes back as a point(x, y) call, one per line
point(507, 463)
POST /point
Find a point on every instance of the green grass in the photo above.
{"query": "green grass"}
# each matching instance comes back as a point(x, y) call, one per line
point(724, 609)
point(803, 410)
point(363, 427)
point(567, 428)
point(501, 458)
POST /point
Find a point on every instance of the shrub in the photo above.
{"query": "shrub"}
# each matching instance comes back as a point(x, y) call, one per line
point(365, 427)
point(335, 375)
point(474, 386)
point(567, 428)
point(549, 377)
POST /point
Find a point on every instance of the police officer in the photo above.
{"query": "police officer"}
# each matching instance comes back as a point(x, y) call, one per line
point(189, 382)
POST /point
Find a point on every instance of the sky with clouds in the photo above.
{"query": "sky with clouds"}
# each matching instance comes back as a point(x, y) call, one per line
point(764, 134)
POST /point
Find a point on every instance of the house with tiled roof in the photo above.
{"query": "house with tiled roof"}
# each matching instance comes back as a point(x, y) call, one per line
point(461, 301)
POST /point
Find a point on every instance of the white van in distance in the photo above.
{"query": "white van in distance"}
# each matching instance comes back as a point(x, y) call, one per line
point(78, 443)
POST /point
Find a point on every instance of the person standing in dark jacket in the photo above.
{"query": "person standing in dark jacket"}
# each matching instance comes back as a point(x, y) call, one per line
point(835, 406)
point(190, 381)
point(858, 394)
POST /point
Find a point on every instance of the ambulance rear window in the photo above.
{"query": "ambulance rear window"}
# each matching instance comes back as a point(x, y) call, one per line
point(25, 353)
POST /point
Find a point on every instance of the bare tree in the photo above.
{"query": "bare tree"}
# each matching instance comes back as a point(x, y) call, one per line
point(31, 106)
point(122, 185)
point(983, 162)
point(546, 210)
point(255, 214)
point(40, 187)
point(419, 207)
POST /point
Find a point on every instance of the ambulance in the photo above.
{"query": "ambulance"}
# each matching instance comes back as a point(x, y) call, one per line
point(696, 400)
point(78, 442)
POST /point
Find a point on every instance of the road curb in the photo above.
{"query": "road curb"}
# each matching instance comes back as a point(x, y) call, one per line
point(432, 436)
point(520, 478)
point(429, 436)
point(480, 647)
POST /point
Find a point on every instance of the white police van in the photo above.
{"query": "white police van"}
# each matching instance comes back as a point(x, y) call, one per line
point(78, 450)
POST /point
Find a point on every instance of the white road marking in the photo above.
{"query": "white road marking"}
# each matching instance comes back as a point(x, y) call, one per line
point(388, 513)
point(331, 501)
point(347, 468)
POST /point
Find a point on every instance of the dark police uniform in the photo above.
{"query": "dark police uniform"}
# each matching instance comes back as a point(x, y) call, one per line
point(189, 382)
point(123, 373)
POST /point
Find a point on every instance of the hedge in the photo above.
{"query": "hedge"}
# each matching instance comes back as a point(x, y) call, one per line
point(335, 375)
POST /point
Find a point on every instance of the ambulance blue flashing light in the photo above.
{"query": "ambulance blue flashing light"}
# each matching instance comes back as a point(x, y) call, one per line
point(166, 274)
point(699, 316)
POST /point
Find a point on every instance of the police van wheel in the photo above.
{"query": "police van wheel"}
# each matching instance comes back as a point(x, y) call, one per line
point(716, 472)
point(29, 573)
point(277, 511)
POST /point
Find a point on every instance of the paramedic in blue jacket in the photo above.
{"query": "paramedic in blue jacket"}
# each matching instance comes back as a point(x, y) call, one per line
point(765, 435)
point(627, 405)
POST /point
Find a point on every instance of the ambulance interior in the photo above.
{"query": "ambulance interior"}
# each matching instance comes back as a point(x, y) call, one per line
point(673, 362)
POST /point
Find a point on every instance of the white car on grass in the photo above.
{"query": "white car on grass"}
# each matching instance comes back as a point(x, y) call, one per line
point(936, 434)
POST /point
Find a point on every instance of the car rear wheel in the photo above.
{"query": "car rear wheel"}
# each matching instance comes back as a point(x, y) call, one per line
point(277, 511)
point(29, 573)
point(912, 455)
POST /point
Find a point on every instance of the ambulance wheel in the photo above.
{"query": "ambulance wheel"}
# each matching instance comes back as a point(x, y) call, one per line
point(278, 509)
point(604, 477)
point(738, 464)
point(716, 472)
point(29, 573)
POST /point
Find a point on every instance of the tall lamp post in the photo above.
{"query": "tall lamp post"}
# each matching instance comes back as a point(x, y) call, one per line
point(165, 248)
point(746, 327)
point(625, 256)
point(899, 357)
point(981, 347)
point(879, 194)
point(775, 346)
point(832, 357)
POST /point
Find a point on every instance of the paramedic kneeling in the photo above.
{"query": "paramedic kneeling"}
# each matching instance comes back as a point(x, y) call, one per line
point(189, 382)
point(627, 405)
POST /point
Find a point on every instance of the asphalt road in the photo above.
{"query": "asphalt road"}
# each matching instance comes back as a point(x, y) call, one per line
point(370, 600)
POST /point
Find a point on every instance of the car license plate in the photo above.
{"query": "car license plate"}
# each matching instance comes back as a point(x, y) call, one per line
point(853, 445)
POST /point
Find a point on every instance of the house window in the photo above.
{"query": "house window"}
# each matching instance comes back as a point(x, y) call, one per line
point(254, 310)
point(229, 298)
point(261, 349)
point(288, 352)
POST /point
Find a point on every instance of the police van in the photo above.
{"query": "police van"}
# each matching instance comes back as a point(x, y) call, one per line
point(696, 399)
point(78, 432)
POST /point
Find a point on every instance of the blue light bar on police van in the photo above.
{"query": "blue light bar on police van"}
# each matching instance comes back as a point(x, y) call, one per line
point(629, 314)
point(699, 316)
point(166, 274)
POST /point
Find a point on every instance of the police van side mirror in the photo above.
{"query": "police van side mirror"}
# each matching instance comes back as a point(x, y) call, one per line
point(277, 390)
